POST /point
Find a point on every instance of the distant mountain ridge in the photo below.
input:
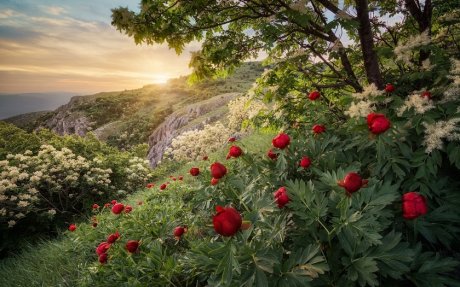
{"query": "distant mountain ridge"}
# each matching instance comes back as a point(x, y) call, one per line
point(16, 104)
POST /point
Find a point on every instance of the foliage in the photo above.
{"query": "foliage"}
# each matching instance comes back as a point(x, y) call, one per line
point(45, 185)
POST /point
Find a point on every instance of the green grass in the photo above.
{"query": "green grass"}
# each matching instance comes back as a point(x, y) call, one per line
point(62, 261)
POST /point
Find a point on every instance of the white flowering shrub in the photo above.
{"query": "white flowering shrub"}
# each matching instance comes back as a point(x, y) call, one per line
point(195, 144)
point(244, 108)
point(50, 181)
point(137, 173)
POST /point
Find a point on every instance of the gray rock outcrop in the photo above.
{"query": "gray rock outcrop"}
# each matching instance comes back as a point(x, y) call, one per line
point(191, 117)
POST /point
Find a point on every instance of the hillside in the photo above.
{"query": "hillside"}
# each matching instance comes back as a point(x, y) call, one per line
point(127, 118)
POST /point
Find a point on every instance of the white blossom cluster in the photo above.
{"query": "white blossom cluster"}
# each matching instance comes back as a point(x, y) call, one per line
point(417, 102)
point(138, 173)
point(194, 144)
point(365, 102)
point(452, 92)
point(435, 133)
point(32, 183)
point(244, 108)
point(403, 51)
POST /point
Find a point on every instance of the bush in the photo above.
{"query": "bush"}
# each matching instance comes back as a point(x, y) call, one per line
point(376, 207)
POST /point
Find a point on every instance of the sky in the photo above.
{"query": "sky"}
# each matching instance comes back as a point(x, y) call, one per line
point(70, 46)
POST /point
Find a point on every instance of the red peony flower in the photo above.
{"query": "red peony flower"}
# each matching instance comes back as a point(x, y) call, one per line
point(232, 139)
point(281, 197)
point(426, 94)
point(214, 181)
point(128, 208)
point(314, 95)
point(352, 182)
point(178, 231)
point(103, 258)
point(118, 208)
point(227, 221)
point(107, 205)
point(132, 246)
point(414, 205)
point(234, 151)
point(150, 185)
point(389, 88)
point(281, 141)
point(218, 170)
point(205, 157)
point(102, 248)
point(377, 123)
point(174, 179)
point(163, 186)
point(113, 202)
point(95, 206)
point(305, 162)
point(271, 154)
point(72, 227)
point(181, 177)
point(194, 171)
point(319, 129)
point(113, 237)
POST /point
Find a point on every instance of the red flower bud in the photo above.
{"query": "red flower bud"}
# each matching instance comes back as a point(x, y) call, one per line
point(232, 139)
point(314, 95)
point(150, 185)
point(281, 197)
point(72, 227)
point(271, 154)
point(102, 248)
point(352, 182)
point(218, 170)
point(305, 162)
point(181, 177)
point(113, 202)
point(178, 231)
point(281, 141)
point(389, 88)
point(107, 205)
point(113, 237)
point(426, 94)
point(227, 221)
point(234, 151)
point(377, 123)
point(132, 246)
point(194, 171)
point(214, 181)
point(95, 206)
point(413, 205)
point(128, 208)
point(103, 258)
point(118, 208)
point(163, 186)
point(205, 157)
point(319, 129)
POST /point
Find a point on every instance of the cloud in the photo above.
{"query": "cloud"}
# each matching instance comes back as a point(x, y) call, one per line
point(54, 10)
point(53, 50)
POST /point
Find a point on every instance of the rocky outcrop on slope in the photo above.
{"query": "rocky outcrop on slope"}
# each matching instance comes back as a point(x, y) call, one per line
point(191, 117)
point(66, 121)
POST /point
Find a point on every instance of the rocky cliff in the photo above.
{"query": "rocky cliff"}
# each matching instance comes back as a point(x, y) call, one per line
point(191, 117)
point(66, 121)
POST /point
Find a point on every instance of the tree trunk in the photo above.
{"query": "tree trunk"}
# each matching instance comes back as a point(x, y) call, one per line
point(371, 63)
point(423, 19)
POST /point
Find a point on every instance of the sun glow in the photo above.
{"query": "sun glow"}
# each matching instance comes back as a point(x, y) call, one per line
point(161, 78)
